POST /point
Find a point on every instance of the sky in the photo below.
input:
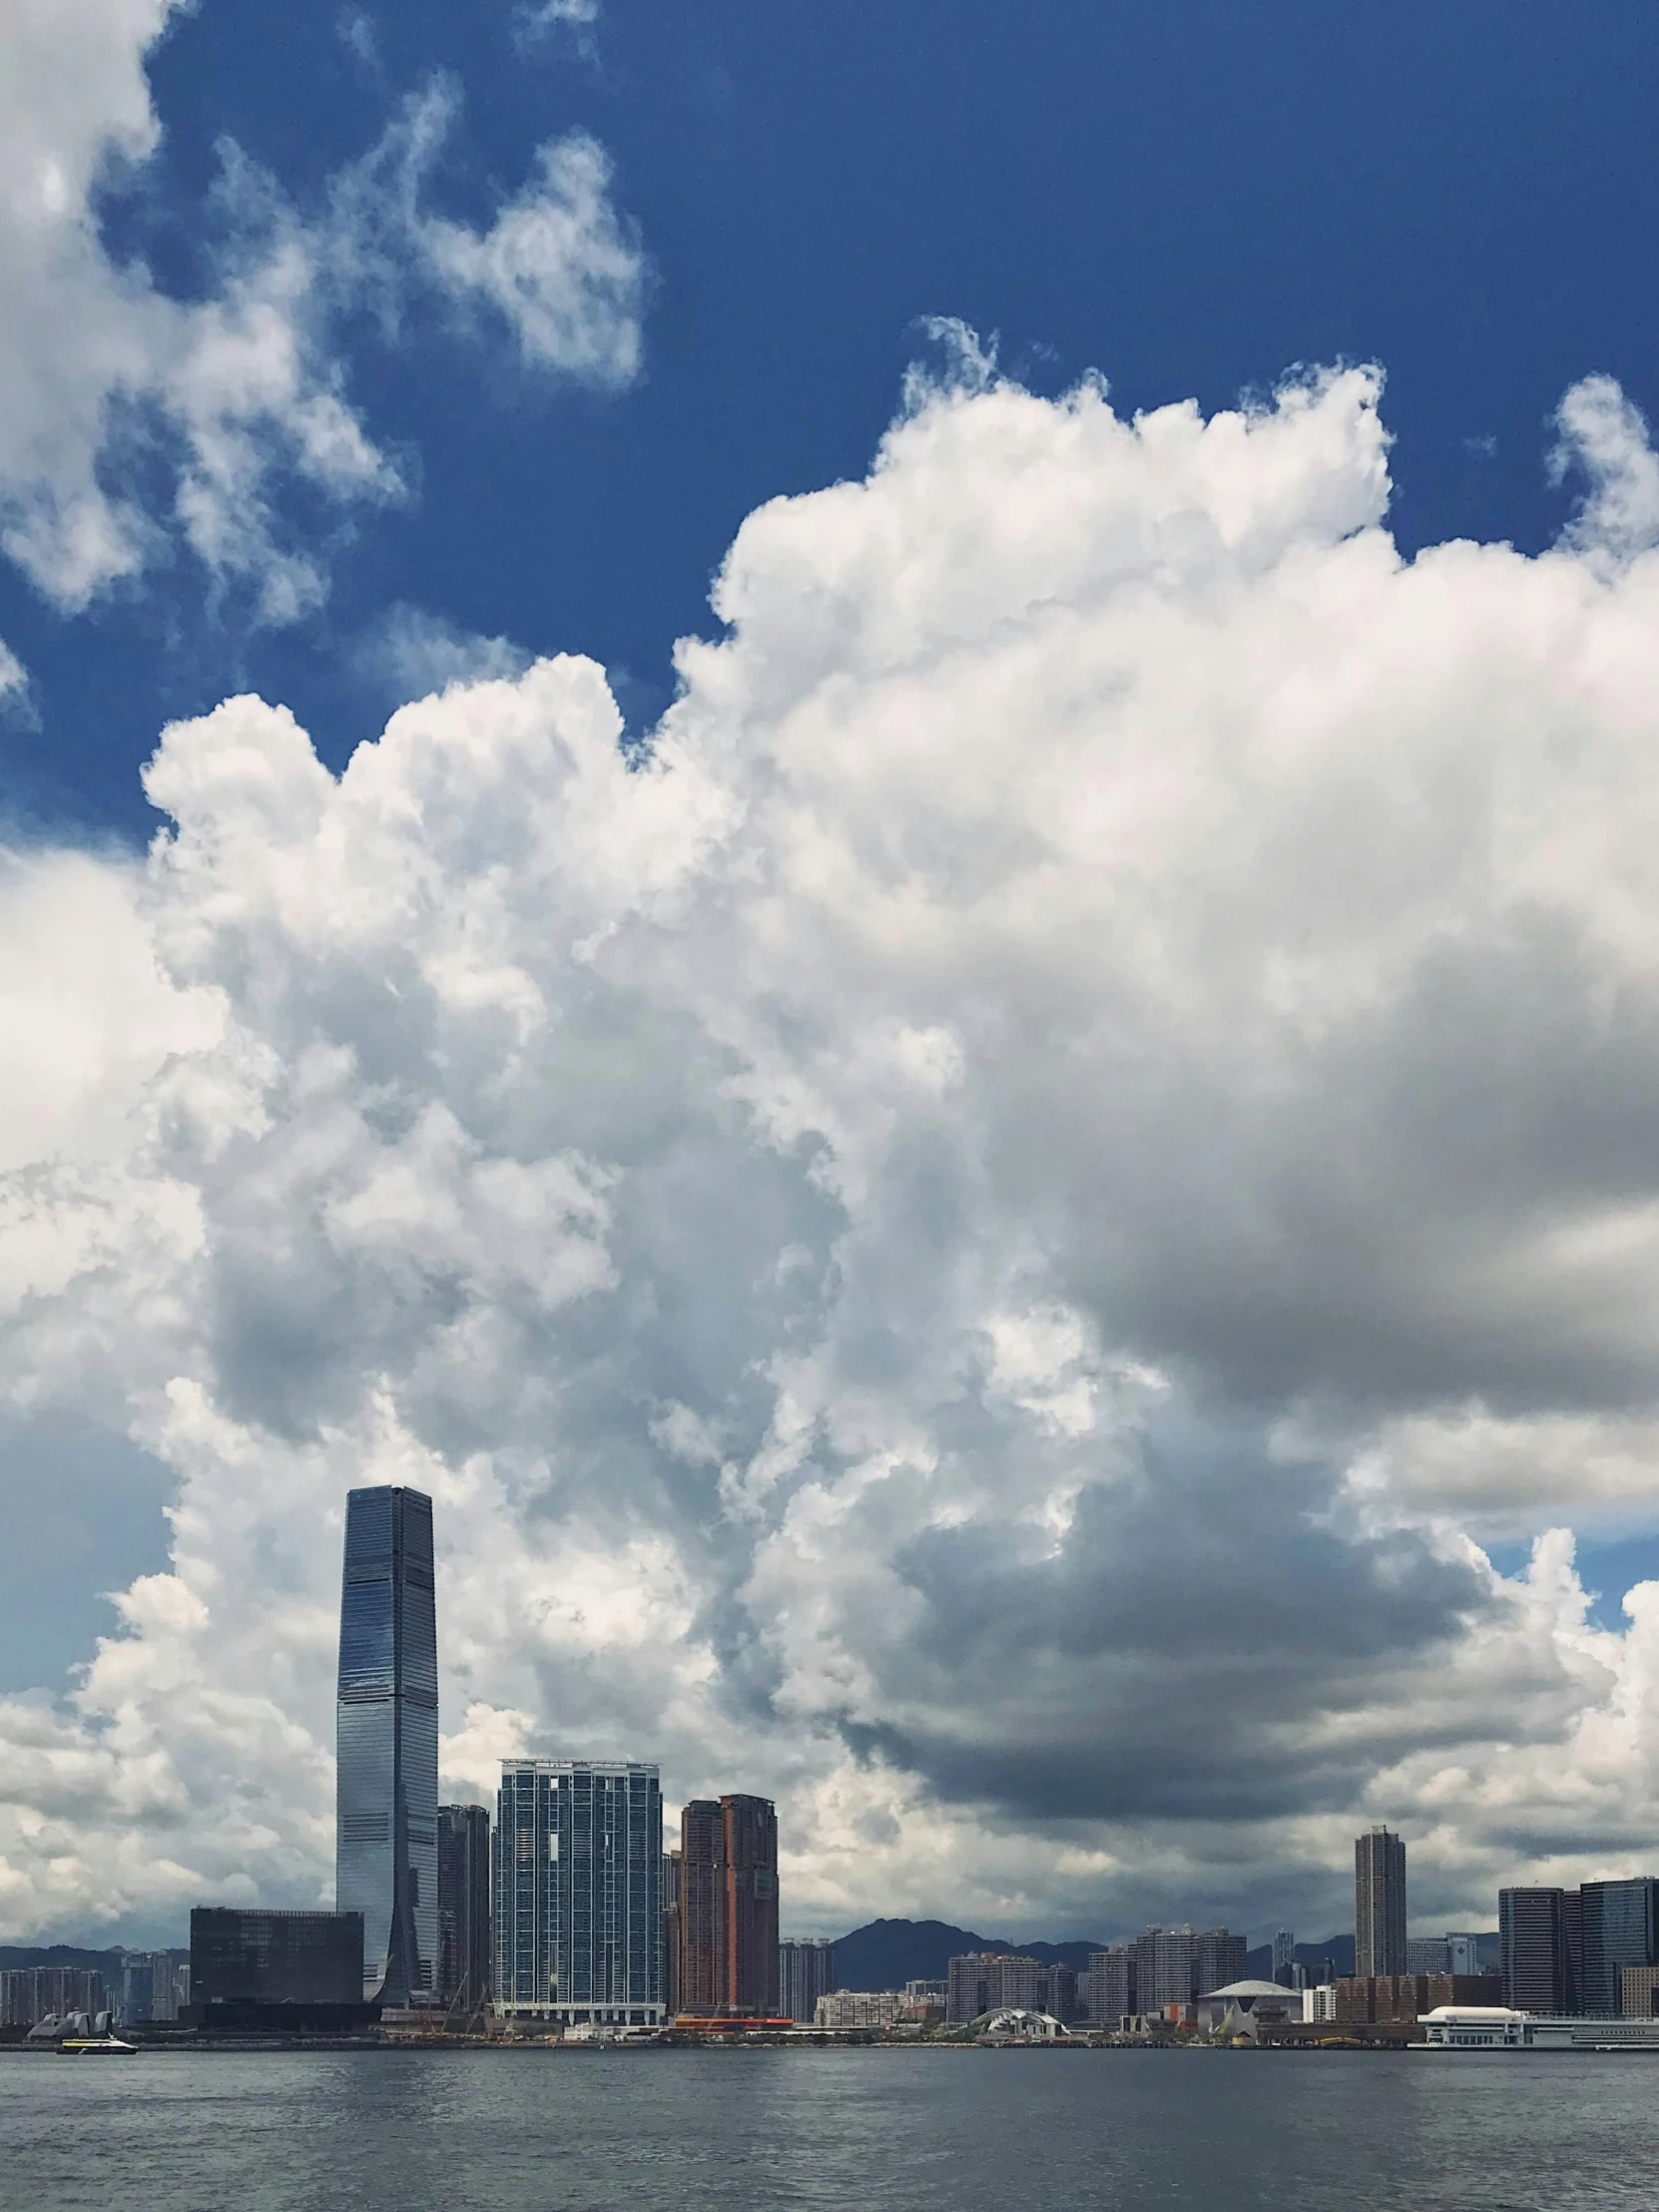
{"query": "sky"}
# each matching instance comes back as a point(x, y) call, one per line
point(852, 811)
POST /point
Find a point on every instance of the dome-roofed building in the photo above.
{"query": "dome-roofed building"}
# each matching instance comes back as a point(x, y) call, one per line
point(1244, 2003)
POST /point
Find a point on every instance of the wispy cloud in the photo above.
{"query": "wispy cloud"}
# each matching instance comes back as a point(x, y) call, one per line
point(107, 382)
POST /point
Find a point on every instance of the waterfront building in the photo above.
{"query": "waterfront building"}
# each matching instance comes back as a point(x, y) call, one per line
point(1502, 2028)
point(1427, 1954)
point(671, 1865)
point(1166, 1968)
point(749, 1937)
point(805, 1972)
point(1319, 2001)
point(1173, 1965)
point(1218, 1959)
point(135, 1998)
point(859, 2008)
point(1059, 1993)
point(579, 1893)
point(701, 1882)
point(1248, 2004)
point(386, 1801)
point(926, 1990)
point(1378, 1902)
point(994, 1981)
point(29, 1995)
point(972, 1985)
point(1539, 1949)
point(1283, 1957)
point(1400, 1999)
point(1640, 1993)
point(1620, 1929)
point(729, 1908)
point(1021, 1984)
point(258, 1969)
point(1463, 1955)
point(1108, 1989)
point(462, 1981)
point(150, 1987)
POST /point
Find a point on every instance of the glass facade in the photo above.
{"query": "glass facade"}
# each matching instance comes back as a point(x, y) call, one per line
point(463, 1981)
point(1620, 1928)
point(386, 1802)
point(1540, 1950)
point(579, 1893)
point(255, 1956)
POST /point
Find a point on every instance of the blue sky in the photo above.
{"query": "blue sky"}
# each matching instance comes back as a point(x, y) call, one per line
point(1190, 199)
point(1092, 1048)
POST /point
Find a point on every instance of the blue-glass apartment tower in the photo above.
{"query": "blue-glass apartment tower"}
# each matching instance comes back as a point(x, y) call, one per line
point(386, 1792)
point(579, 1893)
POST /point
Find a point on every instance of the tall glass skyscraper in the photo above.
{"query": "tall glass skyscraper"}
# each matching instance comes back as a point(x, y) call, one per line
point(579, 1893)
point(386, 1791)
point(1620, 1928)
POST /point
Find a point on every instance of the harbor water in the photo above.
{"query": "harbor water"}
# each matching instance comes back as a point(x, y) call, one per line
point(964, 2131)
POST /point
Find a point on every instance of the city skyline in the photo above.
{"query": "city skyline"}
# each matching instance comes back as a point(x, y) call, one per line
point(572, 1908)
point(856, 824)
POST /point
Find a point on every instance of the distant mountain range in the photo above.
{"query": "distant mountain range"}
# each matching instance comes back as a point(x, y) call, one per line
point(887, 1954)
point(884, 1954)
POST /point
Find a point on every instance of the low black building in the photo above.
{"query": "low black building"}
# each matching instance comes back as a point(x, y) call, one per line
point(258, 1970)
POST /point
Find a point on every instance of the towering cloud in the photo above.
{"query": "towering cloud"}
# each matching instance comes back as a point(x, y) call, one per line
point(976, 1237)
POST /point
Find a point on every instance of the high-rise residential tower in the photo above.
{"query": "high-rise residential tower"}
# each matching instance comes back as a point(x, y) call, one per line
point(1219, 1958)
point(750, 1933)
point(671, 1931)
point(805, 1972)
point(1378, 1902)
point(579, 1893)
point(386, 1789)
point(729, 1907)
point(1175, 1964)
point(1108, 1989)
point(696, 1981)
point(1166, 1966)
point(463, 1971)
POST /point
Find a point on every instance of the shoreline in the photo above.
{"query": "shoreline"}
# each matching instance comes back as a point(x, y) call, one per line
point(523, 2047)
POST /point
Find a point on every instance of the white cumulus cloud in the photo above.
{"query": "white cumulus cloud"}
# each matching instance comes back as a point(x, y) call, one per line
point(978, 1238)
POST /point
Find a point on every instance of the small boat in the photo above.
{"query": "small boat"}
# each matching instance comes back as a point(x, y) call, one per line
point(97, 2047)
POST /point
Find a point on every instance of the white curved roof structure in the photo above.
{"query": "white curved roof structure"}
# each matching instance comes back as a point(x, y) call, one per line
point(1016, 2020)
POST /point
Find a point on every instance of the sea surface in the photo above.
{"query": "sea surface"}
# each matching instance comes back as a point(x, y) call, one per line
point(960, 2130)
